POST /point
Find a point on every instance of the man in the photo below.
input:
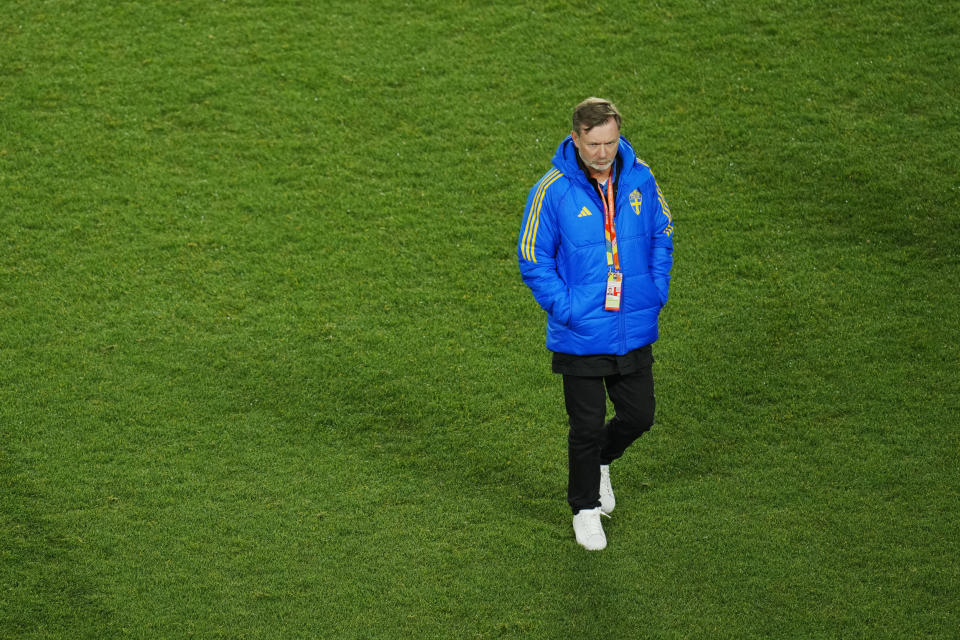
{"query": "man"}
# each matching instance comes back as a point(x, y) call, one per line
point(596, 250)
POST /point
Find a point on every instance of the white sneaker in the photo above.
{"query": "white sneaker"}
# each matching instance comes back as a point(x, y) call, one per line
point(607, 501)
point(589, 530)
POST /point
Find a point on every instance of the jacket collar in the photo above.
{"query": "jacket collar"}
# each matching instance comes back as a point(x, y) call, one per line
point(567, 160)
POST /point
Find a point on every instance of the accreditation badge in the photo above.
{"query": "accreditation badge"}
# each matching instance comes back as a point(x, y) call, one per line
point(614, 287)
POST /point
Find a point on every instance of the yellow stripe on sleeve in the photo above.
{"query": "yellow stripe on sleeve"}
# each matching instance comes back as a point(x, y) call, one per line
point(666, 211)
point(528, 244)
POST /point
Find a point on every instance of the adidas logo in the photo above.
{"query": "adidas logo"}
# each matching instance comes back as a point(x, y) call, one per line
point(584, 212)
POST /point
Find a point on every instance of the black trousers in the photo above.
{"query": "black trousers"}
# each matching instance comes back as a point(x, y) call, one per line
point(593, 442)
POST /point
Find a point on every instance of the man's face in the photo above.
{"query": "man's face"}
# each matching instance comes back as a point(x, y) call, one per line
point(598, 146)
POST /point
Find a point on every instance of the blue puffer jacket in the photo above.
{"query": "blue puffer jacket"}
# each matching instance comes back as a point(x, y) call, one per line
point(562, 252)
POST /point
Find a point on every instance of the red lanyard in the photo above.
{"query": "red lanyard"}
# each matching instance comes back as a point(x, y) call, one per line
point(609, 226)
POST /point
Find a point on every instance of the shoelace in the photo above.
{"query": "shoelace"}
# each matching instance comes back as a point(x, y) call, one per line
point(594, 526)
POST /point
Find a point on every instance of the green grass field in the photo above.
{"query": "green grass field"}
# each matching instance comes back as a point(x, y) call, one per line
point(268, 369)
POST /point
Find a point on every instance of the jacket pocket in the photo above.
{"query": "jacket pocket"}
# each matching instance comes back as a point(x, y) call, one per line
point(586, 302)
point(640, 292)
